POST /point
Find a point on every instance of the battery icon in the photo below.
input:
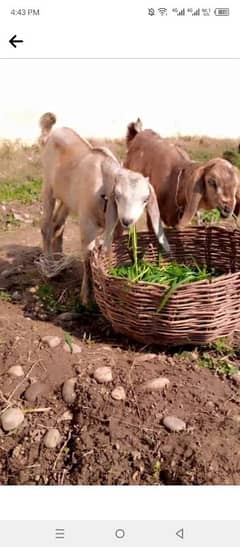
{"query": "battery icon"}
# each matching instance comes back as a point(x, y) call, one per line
point(222, 11)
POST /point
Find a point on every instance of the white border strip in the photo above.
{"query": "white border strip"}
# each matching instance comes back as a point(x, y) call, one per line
point(119, 503)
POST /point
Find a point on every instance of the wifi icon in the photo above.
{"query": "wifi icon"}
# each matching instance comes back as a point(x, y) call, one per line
point(162, 11)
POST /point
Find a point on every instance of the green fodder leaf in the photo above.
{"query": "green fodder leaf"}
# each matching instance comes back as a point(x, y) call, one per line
point(166, 274)
point(167, 295)
point(133, 245)
point(68, 341)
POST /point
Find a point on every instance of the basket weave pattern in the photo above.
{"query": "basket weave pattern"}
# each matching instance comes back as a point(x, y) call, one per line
point(196, 313)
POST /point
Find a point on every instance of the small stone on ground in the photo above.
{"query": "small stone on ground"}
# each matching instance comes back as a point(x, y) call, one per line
point(68, 391)
point(51, 341)
point(52, 438)
point(172, 423)
point(34, 391)
point(118, 393)
point(16, 370)
point(157, 384)
point(68, 316)
point(236, 378)
point(11, 419)
point(103, 375)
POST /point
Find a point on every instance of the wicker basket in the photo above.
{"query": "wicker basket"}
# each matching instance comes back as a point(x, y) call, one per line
point(196, 313)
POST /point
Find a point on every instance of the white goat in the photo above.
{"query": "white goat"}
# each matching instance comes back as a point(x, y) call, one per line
point(90, 183)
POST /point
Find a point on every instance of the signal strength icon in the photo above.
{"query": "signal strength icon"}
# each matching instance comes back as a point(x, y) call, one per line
point(196, 12)
point(181, 12)
point(162, 11)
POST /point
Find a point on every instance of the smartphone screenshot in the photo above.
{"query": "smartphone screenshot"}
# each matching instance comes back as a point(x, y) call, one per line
point(119, 273)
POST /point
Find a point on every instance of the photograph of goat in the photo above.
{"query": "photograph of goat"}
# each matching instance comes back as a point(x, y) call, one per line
point(141, 169)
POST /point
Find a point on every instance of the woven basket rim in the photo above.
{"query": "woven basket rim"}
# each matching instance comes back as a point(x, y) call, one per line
point(100, 260)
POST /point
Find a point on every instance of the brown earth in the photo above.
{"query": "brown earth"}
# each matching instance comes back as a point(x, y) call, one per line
point(105, 441)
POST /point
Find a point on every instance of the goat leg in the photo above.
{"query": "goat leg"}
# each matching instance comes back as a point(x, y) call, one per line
point(89, 231)
point(86, 294)
point(47, 220)
point(59, 218)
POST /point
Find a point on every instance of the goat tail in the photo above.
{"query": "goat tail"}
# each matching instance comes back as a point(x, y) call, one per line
point(46, 123)
point(133, 129)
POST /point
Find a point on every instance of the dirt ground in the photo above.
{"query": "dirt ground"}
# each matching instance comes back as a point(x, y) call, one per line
point(103, 440)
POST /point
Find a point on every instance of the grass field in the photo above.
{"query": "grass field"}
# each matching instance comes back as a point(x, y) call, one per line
point(20, 168)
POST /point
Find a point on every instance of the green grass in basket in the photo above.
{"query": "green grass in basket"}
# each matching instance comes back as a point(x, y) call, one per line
point(172, 274)
point(167, 274)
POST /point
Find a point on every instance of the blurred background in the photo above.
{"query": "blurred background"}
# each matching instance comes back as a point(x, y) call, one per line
point(99, 98)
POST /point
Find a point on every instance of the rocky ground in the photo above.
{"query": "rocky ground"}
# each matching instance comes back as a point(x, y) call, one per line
point(80, 405)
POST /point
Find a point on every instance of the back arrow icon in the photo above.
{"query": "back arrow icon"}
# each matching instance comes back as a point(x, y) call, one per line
point(180, 533)
point(13, 41)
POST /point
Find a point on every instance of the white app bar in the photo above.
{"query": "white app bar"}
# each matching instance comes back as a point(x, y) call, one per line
point(107, 29)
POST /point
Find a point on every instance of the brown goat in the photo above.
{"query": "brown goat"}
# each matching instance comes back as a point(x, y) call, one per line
point(183, 187)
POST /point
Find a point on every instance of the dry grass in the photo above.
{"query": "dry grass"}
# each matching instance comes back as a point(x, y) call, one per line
point(20, 163)
point(117, 146)
point(199, 148)
point(204, 148)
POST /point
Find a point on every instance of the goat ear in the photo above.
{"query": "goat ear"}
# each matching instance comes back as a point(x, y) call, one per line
point(193, 197)
point(111, 221)
point(156, 222)
point(138, 125)
point(237, 197)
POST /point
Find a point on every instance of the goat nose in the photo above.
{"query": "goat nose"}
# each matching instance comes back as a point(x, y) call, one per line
point(127, 222)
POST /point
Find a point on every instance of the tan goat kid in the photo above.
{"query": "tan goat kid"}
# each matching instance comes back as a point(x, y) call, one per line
point(183, 187)
point(89, 182)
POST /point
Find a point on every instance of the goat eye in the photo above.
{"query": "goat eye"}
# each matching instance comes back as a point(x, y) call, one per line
point(212, 183)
